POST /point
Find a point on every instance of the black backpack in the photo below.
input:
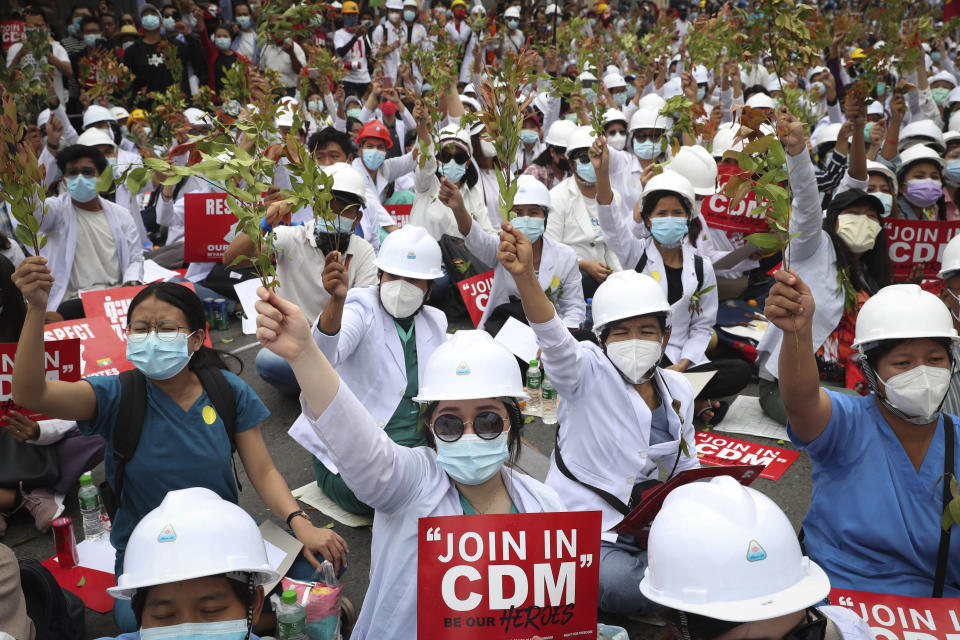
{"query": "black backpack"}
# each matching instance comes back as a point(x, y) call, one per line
point(57, 614)
point(130, 416)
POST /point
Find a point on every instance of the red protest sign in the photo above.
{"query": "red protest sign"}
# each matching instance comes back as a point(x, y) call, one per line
point(11, 32)
point(508, 576)
point(893, 617)
point(912, 242)
point(102, 351)
point(61, 362)
point(206, 220)
point(112, 304)
point(743, 219)
point(400, 213)
point(476, 292)
point(717, 450)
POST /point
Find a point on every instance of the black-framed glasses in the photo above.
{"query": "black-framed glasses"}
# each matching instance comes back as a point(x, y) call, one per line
point(486, 424)
point(87, 172)
point(167, 332)
point(581, 156)
point(644, 137)
point(813, 627)
point(460, 157)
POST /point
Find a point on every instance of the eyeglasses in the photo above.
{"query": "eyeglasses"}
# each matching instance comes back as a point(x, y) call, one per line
point(643, 137)
point(581, 156)
point(167, 332)
point(88, 172)
point(486, 424)
point(460, 157)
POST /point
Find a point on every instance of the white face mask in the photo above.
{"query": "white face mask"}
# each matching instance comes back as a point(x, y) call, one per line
point(487, 149)
point(618, 141)
point(400, 298)
point(919, 392)
point(633, 358)
point(858, 232)
point(229, 630)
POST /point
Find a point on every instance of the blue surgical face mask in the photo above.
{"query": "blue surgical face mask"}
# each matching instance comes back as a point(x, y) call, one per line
point(315, 106)
point(866, 131)
point(373, 158)
point(881, 88)
point(701, 93)
point(819, 88)
point(409, 15)
point(453, 171)
point(168, 23)
point(90, 39)
point(529, 136)
point(349, 22)
point(228, 630)
point(150, 22)
point(112, 162)
point(222, 43)
point(589, 95)
point(645, 150)
point(82, 188)
point(940, 95)
point(952, 172)
point(513, 23)
point(887, 201)
point(471, 459)
point(586, 171)
point(620, 98)
point(572, 117)
point(935, 56)
point(159, 359)
point(592, 21)
point(243, 22)
point(354, 112)
point(339, 225)
point(668, 231)
point(530, 227)
point(631, 91)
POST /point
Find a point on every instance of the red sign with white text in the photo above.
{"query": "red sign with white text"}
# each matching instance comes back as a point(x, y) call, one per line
point(11, 32)
point(400, 213)
point(508, 576)
point(102, 351)
point(736, 222)
point(476, 293)
point(206, 220)
point(912, 242)
point(893, 617)
point(722, 450)
point(61, 362)
point(112, 304)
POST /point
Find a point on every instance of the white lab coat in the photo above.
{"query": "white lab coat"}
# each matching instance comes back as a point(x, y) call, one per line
point(408, 34)
point(604, 432)
point(60, 222)
point(368, 354)
point(573, 221)
point(125, 160)
point(556, 261)
point(403, 485)
point(434, 216)
point(690, 331)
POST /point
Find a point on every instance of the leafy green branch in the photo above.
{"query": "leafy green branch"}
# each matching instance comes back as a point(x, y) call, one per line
point(21, 177)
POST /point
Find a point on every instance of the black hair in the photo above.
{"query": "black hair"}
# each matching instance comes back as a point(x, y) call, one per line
point(876, 353)
point(88, 19)
point(546, 160)
point(605, 332)
point(513, 437)
point(189, 303)
point(14, 311)
point(175, 14)
point(409, 138)
point(941, 202)
point(872, 273)
point(75, 152)
point(244, 594)
point(34, 10)
point(110, 14)
point(471, 177)
point(352, 121)
point(693, 222)
point(327, 135)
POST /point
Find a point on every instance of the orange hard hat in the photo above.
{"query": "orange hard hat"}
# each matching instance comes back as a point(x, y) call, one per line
point(375, 129)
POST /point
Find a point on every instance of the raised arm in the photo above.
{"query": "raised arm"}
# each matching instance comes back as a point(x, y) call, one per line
point(806, 218)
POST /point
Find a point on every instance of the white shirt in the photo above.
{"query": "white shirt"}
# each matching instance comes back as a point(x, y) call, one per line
point(95, 265)
point(273, 57)
point(247, 43)
point(574, 222)
point(437, 218)
point(356, 56)
point(27, 62)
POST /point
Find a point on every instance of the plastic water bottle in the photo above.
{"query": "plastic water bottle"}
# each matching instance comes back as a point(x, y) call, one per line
point(291, 618)
point(534, 377)
point(588, 320)
point(90, 509)
point(549, 402)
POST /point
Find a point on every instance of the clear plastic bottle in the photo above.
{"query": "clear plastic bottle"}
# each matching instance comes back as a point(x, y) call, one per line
point(532, 383)
point(90, 509)
point(291, 618)
point(549, 402)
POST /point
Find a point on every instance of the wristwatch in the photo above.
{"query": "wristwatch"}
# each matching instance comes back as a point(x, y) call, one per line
point(298, 512)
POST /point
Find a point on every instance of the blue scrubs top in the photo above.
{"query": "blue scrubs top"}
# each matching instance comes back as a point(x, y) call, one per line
point(874, 521)
point(177, 449)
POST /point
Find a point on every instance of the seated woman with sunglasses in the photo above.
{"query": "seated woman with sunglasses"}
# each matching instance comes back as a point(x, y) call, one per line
point(751, 581)
point(469, 390)
point(183, 442)
point(452, 161)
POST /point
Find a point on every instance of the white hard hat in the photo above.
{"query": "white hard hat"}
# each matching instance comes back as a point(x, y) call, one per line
point(647, 118)
point(761, 101)
point(394, 5)
point(199, 117)
point(582, 138)
point(953, 96)
point(43, 118)
point(469, 101)
point(828, 133)
point(752, 569)
point(918, 153)
point(453, 133)
point(875, 108)
point(920, 129)
point(951, 258)
point(700, 74)
point(193, 533)
point(558, 135)
point(950, 136)
point(468, 366)
point(672, 87)
point(410, 252)
point(614, 81)
point(884, 170)
point(512, 12)
point(626, 294)
point(119, 113)
point(901, 312)
point(95, 113)
point(531, 191)
point(95, 137)
point(954, 122)
point(586, 75)
point(725, 139)
point(613, 115)
point(943, 76)
point(551, 9)
point(652, 101)
point(672, 181)
point(284, 117)
point(775, 84)
point(348, 180)
point(696, 165)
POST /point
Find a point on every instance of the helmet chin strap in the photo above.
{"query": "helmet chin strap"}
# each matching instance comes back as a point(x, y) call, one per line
point(873, 381)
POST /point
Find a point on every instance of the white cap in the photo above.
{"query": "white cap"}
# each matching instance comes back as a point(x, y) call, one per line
point(827, 133)
point(119, 113)
point(284, 118)
point(394, 5)
point(671, 88)
point(470, 365)
point(470, 102)
point(951, 258)
point(586, 75)
point(95, 137)
point(558, 135)
point(198, 117)
point(531, 191)
point(954, 123)
point(348, 180)
point(410, 252)
point(725, 139)
point(775, 84)
point(652, 101)
point(700, 74)
point(953, 96)
point(453, 133)
point(95, 113)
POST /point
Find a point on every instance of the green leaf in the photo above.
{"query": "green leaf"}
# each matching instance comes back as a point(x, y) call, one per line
point(760, 145)
point(954, 490)
point(24, 235)
point(105, 183)
point(767, 242)
point(83, 581)
point(528, 419)
point(42, 239)
point(954, 508)
point(32, 224)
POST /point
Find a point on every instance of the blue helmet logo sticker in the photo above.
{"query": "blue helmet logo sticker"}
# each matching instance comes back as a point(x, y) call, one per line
point(463, 369)
point(167, 534)
point(755, 552)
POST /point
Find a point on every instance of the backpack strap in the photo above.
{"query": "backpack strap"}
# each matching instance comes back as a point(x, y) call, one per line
point(642, 263)
point(223, 400)
point(607, 497)
point(126, 432)
point(943, 551)
point(698, 269)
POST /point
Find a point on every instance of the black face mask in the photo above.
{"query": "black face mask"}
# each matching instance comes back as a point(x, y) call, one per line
point(327, 242)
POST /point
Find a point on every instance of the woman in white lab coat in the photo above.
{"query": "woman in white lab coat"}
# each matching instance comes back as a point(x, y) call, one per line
point(379, 340)
point(574, 221)
point(669, 256)
point(470, 390)
point(620, 414)
point(555, 263)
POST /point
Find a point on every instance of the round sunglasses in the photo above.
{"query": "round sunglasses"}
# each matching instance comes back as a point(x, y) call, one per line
point(486, 424)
